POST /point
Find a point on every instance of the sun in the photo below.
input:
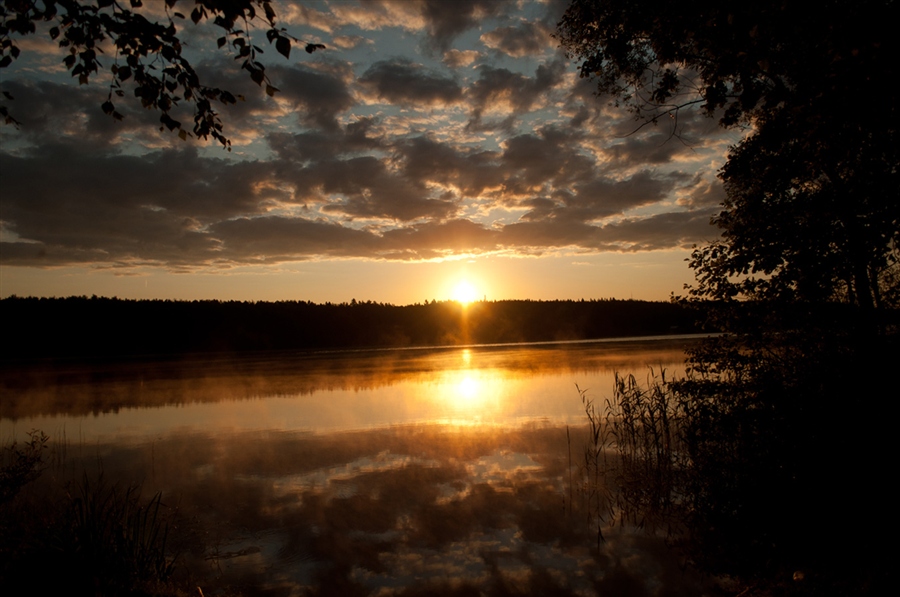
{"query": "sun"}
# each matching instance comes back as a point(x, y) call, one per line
point(464, 292)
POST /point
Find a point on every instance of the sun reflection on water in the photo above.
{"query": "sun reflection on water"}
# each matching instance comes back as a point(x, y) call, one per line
point(468, 395)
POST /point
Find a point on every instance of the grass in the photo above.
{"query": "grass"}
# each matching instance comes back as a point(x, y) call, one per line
point(751, 470)
point(95, 537)
point(633, 461)
point(120, 539)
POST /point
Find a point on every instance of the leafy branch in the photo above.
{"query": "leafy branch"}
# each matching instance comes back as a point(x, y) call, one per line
point(149, 55)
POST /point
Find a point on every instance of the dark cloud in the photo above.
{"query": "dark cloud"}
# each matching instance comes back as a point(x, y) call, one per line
point(49, 111)
point(472, 171)
point(436, 238)
point(316, 174)
point(403, 82)
point(319, 145)
point(663, 231)
point(603, 197)
point(523, 39)
point(363, 187)
point(278, 238)
point(703, 193)
point(33, 254)
point(317, 96)
point(550, 157)
point(651, 148)
point(511, 92)
point(447, 20)
point(548, 233)
point(153, 207)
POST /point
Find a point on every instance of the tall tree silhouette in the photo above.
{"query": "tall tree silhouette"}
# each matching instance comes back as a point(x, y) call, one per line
point(811, 210)
point(804, 277)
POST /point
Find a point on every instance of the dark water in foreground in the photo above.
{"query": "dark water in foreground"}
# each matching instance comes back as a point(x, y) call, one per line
point(450, 471)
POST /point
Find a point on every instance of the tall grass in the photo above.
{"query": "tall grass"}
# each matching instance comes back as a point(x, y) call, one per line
point(119, 539)
point(96, 537)
point(645, 424)
point(634, 465)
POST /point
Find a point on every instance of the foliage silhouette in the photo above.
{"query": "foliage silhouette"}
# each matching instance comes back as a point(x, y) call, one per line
point(804, 280)
point(811, 211)
point(22, 465)
point(149, 53)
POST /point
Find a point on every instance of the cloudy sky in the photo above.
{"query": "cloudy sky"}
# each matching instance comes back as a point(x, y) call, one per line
point(432, 142)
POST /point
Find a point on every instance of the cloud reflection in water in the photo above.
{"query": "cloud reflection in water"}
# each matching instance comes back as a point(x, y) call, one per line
point(451, 478)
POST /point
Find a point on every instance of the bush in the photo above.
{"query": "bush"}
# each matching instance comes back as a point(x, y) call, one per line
point(765, 460)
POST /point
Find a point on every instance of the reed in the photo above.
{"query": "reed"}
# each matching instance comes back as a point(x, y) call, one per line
point(120, 540)
point(97, 537)
point(645, 426)
point(633, 465)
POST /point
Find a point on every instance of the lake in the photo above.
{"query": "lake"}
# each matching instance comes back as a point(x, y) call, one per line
point(418, 471)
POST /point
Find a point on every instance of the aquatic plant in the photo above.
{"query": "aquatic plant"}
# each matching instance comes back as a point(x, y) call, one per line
point(746, 464)
point(634, 462)
point(97, 537)
point(119, 540)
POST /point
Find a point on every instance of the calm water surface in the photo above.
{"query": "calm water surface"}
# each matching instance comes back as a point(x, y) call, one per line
point(372, 472)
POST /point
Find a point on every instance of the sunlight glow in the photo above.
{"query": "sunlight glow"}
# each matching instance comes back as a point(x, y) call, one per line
point(466, 395)
point(464, 292)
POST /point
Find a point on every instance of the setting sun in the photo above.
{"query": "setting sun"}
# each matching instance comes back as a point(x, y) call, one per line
point(464, 292)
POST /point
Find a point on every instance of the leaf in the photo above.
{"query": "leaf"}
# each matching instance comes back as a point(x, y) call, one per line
point(221, 41)
point(54, 32)
point(107, 107)
point(196, 15)
point(170, 122)
point(283, 45)
point(258, 76)
point(5, 61)
point(183, 134)
point(310, 48)
point(270, 13)
point(270, 90)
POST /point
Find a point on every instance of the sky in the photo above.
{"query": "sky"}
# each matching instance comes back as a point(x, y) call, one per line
point(432, 147)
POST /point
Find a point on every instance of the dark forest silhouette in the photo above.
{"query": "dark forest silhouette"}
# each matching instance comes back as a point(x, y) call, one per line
point(89, 328)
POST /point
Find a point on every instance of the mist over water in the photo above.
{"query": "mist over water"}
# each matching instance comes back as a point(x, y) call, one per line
point(384, 472)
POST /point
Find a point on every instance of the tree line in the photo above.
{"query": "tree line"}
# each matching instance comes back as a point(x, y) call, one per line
point(97, 327)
